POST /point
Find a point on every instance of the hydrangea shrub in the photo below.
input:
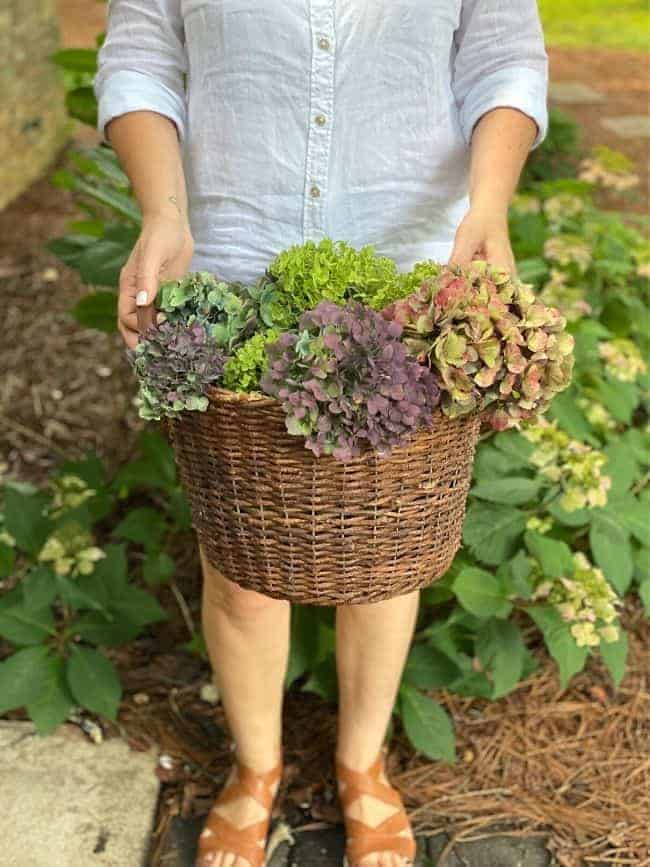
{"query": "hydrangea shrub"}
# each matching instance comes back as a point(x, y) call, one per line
point(494, 346)
point(175, 364)
point(346, 381)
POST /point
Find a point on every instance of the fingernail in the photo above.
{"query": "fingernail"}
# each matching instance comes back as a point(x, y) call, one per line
point(141, 299)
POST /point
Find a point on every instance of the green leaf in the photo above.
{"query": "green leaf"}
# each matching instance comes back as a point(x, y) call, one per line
point(74, 595)
point(611, 548)
point(621, 467)
point(39, 588)
point(137, 606)
point(511, 490)
point(7, 559)
point(122, 203)
point(520, 569)
point(93, 681)
point(82, 105)
point(561, 644)
point(23, 625)
point(620, 398)
point(76, 59)
point(144, 525)
point(492, 532)
point(614, 656)
point(90, 468)
point(109, 577)
point(22, 677)
point(570, 418)
point(98, 629)
point(428, 668)
point(554, 556)
point(644, 593)
point(577, 518)
point(515, 445)
point(501, 650)
point(97, 310)
point(159, 454)
point(490, 463)
point(51, 706)
point(158, 568)
point(427, 725)
point(25, 519)
point(634, 515)
point(481, 593)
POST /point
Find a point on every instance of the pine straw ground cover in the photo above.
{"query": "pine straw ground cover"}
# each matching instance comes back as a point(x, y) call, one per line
point(572, 766)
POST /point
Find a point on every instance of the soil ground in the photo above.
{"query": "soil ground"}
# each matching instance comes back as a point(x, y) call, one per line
point(65, 389)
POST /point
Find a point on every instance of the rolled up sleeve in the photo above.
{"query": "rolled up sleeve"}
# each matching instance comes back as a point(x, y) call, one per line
point(142, 62)
point(500, 60)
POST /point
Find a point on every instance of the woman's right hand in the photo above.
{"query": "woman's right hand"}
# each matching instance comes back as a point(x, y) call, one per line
point(162, 252)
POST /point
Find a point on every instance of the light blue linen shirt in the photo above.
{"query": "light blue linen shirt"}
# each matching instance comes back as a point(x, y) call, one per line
point(300, 119)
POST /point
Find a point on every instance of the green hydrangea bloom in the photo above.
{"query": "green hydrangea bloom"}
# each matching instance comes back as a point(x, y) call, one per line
point(244, 369)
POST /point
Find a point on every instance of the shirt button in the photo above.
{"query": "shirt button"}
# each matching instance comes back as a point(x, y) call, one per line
point(314, 192)
point(324, 43)
point(320, 119)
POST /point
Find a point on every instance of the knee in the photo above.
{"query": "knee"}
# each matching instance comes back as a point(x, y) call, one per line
point(236, 602)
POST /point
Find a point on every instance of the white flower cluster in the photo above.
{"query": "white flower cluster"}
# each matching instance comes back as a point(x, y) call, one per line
point(608, 168)
point(561, 207)
point(69, 492)
point(570, 300)
point(71, 551)
point(568, 249)
point(622, 359)
point(585, 599)
point(576, 466)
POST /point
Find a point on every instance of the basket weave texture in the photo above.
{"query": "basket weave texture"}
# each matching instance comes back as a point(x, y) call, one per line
point(274, 518)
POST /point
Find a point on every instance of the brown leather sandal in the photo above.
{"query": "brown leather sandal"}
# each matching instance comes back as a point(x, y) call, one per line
point(220, 835)
point(362, 839)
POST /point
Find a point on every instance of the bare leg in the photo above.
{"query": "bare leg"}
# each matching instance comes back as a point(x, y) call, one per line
point(372, 642)
point(247, 637)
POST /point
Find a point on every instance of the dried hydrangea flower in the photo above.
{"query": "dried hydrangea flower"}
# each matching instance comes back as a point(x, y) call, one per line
point(494, 346)
point(623, 359)
point(346, 382)
point(175, 364)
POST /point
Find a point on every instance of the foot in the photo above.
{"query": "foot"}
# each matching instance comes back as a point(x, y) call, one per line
point(235, 831)
point(378, 831)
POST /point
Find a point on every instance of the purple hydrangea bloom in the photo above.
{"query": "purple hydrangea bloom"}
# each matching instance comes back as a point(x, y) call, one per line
point(175, 364)
point(346, 382)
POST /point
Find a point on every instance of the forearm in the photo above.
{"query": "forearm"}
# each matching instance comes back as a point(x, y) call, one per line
point(148, 149)
point(500, 144)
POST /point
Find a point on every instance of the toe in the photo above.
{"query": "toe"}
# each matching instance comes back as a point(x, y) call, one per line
point(228, 859)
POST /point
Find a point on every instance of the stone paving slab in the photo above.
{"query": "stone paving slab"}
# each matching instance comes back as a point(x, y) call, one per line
point(573, 93)
point(628, 125)
point(325, 848)
point(67, 802)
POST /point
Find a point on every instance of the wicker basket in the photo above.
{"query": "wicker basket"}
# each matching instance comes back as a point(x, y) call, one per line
point(276, 519)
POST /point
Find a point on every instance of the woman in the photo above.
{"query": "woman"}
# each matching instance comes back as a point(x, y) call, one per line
point(246, 126)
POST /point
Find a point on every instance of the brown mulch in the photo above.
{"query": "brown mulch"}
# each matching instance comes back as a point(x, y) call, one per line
point(570, 765)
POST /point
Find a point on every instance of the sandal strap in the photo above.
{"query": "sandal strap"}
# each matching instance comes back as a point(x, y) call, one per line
point(363, 839)
point(249, 842)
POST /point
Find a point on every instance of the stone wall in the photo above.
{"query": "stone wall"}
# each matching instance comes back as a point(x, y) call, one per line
point(33, 123)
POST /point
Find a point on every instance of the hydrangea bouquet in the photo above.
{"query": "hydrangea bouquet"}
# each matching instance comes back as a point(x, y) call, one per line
point(358, 354)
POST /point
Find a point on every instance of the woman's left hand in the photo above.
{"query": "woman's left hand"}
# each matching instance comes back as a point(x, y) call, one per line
point(483, 234)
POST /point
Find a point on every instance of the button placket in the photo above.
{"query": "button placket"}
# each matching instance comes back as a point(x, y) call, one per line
point(320, 113)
